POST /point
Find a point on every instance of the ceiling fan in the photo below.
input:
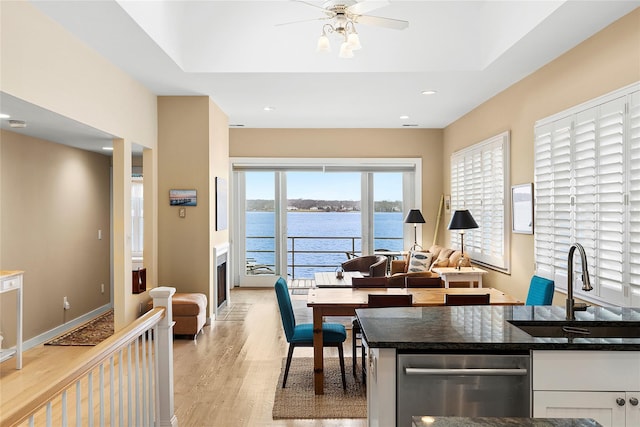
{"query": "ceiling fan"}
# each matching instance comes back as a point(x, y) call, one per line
point(344, 14)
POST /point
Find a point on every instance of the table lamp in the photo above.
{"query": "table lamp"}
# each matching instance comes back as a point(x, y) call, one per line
point(462, 220)
point(415, 217)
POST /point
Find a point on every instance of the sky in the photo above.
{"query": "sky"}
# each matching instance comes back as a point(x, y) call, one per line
point(324, 186)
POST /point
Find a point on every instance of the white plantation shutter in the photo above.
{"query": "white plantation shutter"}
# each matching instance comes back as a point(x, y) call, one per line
point(633, 158)
point(610, 208)
point(553, 200)
point(587, 185)
point(543, 218)
point(479, 178)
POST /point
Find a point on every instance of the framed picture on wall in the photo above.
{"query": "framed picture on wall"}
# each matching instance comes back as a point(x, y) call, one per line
point(183, 198)
point(221, 204)
point(522, 208)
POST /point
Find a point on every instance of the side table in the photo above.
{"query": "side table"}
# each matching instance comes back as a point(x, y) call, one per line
point(465, 274)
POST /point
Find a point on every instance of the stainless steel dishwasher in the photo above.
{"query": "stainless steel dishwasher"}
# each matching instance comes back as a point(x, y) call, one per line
point(478, 385)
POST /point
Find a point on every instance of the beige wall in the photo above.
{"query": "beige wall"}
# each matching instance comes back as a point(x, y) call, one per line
point(354, 143)
point(605, 62)
point(54, 201)
point(43, 64)
point(192, 150)
point(51, 69)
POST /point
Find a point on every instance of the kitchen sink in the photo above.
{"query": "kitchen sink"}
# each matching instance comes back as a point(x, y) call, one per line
point(574, 330)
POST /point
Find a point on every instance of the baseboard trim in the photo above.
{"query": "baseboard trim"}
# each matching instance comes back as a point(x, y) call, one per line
point(66, 327)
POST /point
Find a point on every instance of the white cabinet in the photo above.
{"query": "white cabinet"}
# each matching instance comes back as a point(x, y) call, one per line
point(11, 281)
point(587, 384)
point(381, 386)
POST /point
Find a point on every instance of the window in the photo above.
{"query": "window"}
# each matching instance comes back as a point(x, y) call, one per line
point(320, 211)
point(587, 186)
point(479, 183)
point(137, 217)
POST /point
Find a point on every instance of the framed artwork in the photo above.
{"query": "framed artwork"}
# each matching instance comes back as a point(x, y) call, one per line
point(522, 208)
point(221, 204)
point(183, 198)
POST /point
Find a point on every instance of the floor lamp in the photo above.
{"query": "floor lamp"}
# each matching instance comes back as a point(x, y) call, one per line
point(462, 220)
point(415, 217)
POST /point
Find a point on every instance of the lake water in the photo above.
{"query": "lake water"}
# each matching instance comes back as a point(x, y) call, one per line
point(338, 228)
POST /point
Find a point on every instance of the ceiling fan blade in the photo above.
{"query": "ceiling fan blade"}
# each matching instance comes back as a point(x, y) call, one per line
point(328, 12)
point(365, 6)
point(394, 24)
point(304, 20)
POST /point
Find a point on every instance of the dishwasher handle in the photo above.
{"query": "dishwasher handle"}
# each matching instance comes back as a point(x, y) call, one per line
point(483, 372)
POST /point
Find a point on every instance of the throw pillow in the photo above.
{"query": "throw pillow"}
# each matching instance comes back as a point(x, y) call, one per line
point(418, 262)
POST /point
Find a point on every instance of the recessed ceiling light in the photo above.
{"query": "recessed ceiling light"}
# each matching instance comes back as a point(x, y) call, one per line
point(268, 108)
point(4, 116)
point(107, 148)
point(17, 124)
point(404, 117)
point(411, 125)
point(428, 92)
point(236, 125)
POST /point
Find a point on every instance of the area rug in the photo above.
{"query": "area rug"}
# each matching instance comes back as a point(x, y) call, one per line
point(298, 399)
point(91, 333)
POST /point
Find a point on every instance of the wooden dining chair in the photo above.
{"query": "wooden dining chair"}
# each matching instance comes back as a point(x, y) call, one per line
point(389, 300)
point(369, 282)
point(466, 299)
point(424, 282)
point(377, 301)
point(356, 331)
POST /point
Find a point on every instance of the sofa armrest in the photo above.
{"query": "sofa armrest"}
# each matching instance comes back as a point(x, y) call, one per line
point(398, 266)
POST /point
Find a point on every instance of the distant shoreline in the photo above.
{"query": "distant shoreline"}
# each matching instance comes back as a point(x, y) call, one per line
point(314, 211)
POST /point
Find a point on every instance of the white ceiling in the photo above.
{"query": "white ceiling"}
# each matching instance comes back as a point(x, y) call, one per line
point(234, 52)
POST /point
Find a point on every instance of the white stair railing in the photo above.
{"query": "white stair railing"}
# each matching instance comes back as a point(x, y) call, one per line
point(127, 380)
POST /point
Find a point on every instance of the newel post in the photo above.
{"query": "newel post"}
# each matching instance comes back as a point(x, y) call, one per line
point(165, 416)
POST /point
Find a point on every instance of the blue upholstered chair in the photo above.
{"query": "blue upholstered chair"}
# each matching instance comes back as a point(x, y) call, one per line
point(540, 291)
point(333, 334)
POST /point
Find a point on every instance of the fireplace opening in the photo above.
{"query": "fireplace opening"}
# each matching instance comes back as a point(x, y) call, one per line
point(221, 271)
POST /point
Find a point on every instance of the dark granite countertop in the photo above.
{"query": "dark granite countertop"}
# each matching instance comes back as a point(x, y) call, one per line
point(502, 422)
point(488, 328)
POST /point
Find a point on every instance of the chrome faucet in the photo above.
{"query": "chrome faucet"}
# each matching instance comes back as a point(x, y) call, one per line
point(572, 306)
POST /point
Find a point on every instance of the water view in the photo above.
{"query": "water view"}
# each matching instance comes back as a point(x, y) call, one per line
point(319, 241)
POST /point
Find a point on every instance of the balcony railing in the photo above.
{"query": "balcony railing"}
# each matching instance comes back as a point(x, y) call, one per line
point(310, 254)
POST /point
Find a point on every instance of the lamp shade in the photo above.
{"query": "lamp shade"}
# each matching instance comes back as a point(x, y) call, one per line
point(462, 220)
point(414, 217)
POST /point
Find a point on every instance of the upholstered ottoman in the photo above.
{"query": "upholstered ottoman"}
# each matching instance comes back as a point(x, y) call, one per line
point(189, 313)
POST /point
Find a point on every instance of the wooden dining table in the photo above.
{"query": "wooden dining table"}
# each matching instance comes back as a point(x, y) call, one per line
point(345, 301)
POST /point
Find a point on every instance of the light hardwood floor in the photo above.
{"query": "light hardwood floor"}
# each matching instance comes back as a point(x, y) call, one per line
point(227, 377)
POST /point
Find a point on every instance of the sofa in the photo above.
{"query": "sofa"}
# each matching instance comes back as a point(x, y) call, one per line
point(419, 264)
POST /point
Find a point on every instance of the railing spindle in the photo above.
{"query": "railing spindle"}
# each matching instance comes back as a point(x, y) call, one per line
point(120, 390)
point(90, 397)
point(79, 403)
point(112, 392)
point(130, 400)
point(144, 381)
point(49, 415)
point(63, 407)
point(101, 394)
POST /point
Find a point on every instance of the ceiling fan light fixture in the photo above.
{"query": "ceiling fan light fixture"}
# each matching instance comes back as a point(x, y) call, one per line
point(323, 44)
point(345, 50)
point(354, 41)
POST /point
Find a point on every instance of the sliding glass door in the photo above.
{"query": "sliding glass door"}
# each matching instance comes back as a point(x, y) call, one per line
point(296, 221)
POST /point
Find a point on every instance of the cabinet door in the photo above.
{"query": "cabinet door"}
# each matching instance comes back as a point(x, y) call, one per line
point(633, 408)
point(599, 405)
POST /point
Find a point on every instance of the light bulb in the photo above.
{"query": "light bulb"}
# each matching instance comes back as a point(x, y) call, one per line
point(323, 44)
